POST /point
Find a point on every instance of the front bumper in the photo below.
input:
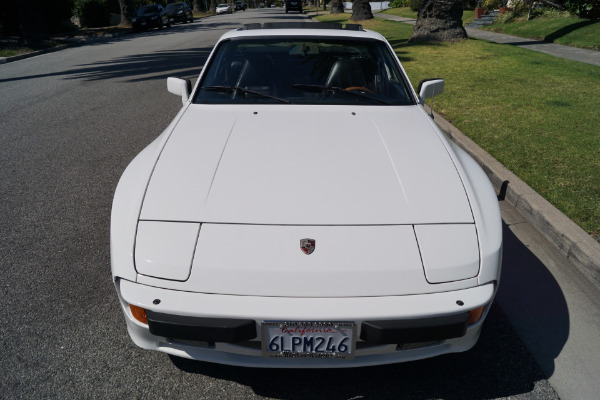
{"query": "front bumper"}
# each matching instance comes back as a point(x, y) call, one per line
point(381, 321)
point(146, 24)
point(178, 18)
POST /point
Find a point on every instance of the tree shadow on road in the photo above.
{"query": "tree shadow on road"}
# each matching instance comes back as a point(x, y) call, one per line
point(135, 68)
point(185, 63)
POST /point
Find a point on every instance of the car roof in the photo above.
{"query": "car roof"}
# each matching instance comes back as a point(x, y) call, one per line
point(303, 29)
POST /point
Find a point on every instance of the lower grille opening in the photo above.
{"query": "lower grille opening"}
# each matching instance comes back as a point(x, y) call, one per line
point(196, 343)
point(417, 345)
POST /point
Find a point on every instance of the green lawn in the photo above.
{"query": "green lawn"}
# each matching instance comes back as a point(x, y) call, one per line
point(570, 31)
point(7, 53)
point(537, 114)
point(406, 12)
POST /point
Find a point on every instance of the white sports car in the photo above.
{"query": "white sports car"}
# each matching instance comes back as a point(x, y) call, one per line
point(304, 210)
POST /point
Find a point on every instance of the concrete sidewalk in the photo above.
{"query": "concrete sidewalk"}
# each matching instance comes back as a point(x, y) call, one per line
point(557, 50)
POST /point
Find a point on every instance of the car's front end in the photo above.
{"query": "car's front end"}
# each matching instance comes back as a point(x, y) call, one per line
point(179, 12)
point(293, 5)
point(148, 17)
point(355, 235)
point(223, 9)
point(229, 329)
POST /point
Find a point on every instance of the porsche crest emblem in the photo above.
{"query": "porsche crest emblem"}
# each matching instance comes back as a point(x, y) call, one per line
point(307, 245)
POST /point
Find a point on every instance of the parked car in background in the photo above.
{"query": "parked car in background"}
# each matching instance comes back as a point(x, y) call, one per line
point(240, 6)
point(150, 16)
point(293, 5)
point(303, 210)
point(180, 12)
point(223, 9)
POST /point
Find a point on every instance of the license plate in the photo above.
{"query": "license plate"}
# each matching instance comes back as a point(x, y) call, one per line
point(172, 19)
point(308, 339)
point(143, 23)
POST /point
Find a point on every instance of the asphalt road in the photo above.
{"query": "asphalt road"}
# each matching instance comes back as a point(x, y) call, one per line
point(70, 122)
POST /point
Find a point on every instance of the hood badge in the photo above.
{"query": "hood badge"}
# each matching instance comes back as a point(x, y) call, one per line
point(307, 245)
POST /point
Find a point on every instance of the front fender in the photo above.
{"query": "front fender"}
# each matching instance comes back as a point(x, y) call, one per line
point(486, 212)
point(127, 204)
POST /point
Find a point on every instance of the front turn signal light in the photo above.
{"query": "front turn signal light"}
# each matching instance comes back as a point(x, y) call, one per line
point(138, 313)
point(475, 315)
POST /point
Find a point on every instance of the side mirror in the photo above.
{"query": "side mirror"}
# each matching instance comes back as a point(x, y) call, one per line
point(430, 88)
point(180, 87)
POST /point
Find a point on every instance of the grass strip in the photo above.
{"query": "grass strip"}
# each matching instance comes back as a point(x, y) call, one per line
point(406, 12)
point(535, 113)
point(570, 31)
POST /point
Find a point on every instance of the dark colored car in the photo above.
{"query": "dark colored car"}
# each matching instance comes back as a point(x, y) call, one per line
point(293, 5)
point(180, 12)
point(150, 16)
point(240, 6)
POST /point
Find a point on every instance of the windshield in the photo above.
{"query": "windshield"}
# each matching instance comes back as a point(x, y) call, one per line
point(147, 10)
point(303, 71)
point(175, 6)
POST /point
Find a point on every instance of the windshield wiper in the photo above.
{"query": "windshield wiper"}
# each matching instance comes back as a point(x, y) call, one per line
point(322, 88)
point(229, 89)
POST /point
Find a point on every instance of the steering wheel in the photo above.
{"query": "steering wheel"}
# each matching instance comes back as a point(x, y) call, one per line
point(359, 88)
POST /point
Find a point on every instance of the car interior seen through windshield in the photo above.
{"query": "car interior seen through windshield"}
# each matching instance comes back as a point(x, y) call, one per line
point(303, 71)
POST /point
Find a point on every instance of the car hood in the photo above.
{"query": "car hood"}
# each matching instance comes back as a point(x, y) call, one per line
point(147, 16)
point(305, 165)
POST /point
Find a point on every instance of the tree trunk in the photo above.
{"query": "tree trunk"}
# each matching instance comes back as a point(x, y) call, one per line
point(361, 10)
point(196, 5)
point(127, 10)
point(337, 7)
point(213, 6)
point(439, 21)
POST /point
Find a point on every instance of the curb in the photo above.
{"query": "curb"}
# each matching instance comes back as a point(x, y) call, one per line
point(570, 239)
point(4, 60)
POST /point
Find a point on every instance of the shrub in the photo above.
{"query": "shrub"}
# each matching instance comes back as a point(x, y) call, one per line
point(491, 4)
point(469, 4)
point(415, 5)
point(584, 8)
point(398, 3)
